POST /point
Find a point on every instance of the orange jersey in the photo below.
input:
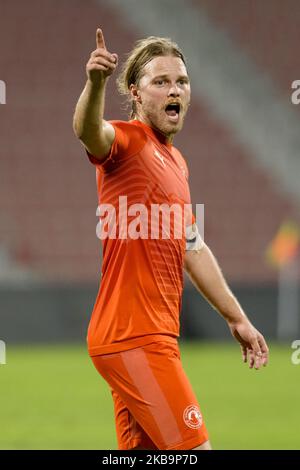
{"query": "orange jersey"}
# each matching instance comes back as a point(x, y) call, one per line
point(140, 293)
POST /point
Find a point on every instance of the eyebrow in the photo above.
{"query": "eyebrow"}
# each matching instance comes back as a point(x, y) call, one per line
point(185, 77)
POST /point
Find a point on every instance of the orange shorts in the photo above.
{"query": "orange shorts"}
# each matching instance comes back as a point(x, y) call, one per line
point(155, 406)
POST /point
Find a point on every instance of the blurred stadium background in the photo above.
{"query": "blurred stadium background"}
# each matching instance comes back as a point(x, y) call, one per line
point(241, 140)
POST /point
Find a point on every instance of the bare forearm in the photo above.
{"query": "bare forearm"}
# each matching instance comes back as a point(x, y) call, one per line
point(96, 134)
point(205, 273)
point(88, 116)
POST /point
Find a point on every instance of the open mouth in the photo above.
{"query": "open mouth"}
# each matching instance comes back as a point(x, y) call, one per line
point(173, 110)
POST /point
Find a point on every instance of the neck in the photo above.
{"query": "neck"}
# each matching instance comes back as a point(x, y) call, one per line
point(169, 137)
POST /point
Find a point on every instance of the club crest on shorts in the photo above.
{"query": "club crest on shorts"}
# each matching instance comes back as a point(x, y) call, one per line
point(192, 417)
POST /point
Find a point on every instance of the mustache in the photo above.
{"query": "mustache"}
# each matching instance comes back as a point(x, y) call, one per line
point(178, 102)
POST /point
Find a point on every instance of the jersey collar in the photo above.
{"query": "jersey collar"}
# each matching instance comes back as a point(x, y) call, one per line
point(153, 133)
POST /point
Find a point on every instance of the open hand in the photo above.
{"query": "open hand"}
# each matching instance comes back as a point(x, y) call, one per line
point(253, 345)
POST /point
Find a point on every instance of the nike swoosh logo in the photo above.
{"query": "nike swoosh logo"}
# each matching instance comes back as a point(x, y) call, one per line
point(161, 158)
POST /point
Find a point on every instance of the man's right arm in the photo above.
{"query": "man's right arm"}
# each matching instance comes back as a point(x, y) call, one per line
point(93, 131)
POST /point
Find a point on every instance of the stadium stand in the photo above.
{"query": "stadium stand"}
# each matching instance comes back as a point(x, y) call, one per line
point(243, 163)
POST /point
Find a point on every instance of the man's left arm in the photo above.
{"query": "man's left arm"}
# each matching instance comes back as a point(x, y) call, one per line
point(205, 273)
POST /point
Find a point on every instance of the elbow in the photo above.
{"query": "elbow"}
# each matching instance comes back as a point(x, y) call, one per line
point(88, 135)
point(192, 257)
point(187, 261)
point(77, 129)
point(80, 127)
point(80, 133)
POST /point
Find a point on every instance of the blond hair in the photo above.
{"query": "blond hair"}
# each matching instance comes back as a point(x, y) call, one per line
point(143, 52)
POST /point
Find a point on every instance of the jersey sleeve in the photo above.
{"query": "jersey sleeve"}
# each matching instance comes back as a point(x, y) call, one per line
point(193, 238)
point(129, 140)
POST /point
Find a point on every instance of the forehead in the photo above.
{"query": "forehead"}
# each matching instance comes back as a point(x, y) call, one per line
point(164, 65)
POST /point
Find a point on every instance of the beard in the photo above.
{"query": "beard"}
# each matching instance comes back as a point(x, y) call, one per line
point(159, 119)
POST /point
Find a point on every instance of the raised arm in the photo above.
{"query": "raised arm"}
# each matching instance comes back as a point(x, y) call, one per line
point(93, 131)
point(206, 275)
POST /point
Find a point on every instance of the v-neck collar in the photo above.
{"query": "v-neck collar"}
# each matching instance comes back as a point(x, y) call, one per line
point(154, 134)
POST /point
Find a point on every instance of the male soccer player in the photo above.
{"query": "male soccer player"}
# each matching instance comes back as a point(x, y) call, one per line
point(132, 335)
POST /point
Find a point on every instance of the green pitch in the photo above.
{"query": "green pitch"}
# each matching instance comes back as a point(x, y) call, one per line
point(53, 398)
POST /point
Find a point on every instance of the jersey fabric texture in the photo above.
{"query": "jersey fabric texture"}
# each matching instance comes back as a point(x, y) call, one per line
point(139, 298)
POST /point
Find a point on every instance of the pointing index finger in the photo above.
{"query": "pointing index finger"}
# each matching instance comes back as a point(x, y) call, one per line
point(100, 39)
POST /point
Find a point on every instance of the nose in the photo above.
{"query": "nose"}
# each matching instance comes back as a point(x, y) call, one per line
point(174, 90)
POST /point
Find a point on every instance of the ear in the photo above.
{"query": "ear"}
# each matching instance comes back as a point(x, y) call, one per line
point(135, 93)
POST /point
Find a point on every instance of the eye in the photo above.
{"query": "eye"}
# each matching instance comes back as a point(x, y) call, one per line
point(159, 81)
